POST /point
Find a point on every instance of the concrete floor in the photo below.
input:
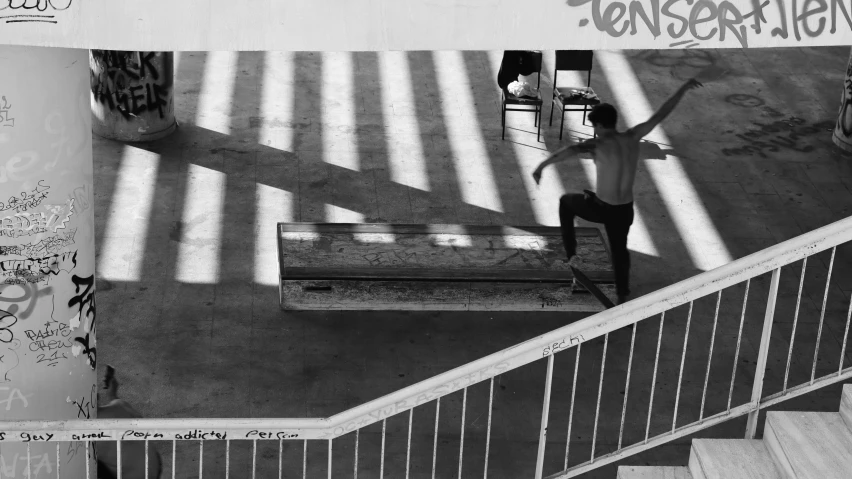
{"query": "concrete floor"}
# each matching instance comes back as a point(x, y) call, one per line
point(187, 265)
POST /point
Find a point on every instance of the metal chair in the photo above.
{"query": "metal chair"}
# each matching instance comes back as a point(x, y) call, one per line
point(524, 103)
point(568, 97)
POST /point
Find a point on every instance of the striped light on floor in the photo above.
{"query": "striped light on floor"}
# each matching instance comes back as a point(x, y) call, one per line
point(691, 219)
point(466, 144)
point(338, 104)
point(405, 149)
point(273, 206)
point(126, 233)
point(217, 91)
point(276, 117)
point(201, 226)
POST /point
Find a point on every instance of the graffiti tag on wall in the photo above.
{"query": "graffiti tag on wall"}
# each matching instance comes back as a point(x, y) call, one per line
point(5, 107)
point(28, 224)
point(699, 20)
point(130, 82)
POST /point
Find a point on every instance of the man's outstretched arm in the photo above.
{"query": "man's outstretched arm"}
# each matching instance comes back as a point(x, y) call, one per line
point(563, 154)
point(641, 130)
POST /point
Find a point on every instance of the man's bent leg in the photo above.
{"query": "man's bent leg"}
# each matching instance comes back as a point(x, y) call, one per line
point(580, 205)
point(617, 232)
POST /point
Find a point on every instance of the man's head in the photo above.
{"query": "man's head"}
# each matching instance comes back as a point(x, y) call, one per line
point(603, 117)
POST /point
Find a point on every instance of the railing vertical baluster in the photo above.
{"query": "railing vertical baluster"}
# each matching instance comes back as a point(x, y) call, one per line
point(29, 466)
point(357, 438)
point(571, 413)
point(654, 377)
point(682, 361)
point(200, 459)
point(435, 443)
point(408, 447)
point(280, 458)
point(488, 430)
point(174, 458)
point(461, 445)
point(739, 342)
point(89, 462)
point(845, 336)
point(763, 353)
point(795, 322)
point(305, 460)
point(146, 459)
point(58, 463)
point(710, 355)
point(382, 464)
point(545, 415)
point(118, 458)
point(822, 313)
point(228, 458)
point(600, 392)
point(254, 459)
point(329, 458)
point(627, 386)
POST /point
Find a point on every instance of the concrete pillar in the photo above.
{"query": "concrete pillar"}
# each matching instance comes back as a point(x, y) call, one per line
point(843, 130)
point(47, 253)
point(132, 94)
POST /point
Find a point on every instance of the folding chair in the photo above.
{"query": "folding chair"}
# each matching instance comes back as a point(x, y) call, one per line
point(568, 97)
point(524, 103)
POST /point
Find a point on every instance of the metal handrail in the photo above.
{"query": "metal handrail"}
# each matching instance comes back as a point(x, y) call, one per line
point(486, 368)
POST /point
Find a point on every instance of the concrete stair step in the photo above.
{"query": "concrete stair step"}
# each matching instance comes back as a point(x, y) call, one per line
point(809, 445)
point(653, 472)
point(846, 405)
point(731, 459)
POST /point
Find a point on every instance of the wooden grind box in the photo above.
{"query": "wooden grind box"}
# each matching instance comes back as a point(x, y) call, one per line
point(338, 266)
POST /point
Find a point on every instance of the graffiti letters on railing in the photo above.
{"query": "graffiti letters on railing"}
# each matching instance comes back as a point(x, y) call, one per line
point(772, 137)
point(5, 108)
point(406, 404)
point(26, 200)
point(131, 434)
point(130, 82)
point(703, 20)
point(271, 435)
point(202, 435)
point(564, 344)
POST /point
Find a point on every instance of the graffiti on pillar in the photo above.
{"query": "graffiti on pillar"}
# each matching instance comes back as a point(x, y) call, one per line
point(48, 246)
point(9, 359)
point(13, 396)
point(130, 82)
point(85, 302)
point(19, 299)
point(26, 200)
point(13, 463)
point(5, 108)
point(28, 224)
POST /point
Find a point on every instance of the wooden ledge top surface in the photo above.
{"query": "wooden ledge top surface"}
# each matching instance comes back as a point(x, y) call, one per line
point(368, 252)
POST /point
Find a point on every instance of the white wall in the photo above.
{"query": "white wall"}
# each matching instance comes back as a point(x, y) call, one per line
point(377, 25)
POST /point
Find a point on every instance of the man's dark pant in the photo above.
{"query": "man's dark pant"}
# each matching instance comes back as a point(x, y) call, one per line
point(615, 218)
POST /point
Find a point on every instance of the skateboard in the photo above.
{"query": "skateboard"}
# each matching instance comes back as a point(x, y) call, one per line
point(580, 277)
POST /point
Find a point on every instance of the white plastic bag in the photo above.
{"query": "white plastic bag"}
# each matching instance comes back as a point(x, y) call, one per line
point(522, 89)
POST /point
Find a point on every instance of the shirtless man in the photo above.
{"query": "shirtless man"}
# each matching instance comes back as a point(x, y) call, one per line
point(616, 156)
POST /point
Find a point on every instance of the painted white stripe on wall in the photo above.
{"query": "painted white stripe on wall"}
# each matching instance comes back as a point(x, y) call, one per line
point(692, 221)
point(338, 109)
point(201, 234)
point(276, 104)
point(217, 89)
point(467, 146)
point(129, 216)
point(273, 206)
point(405, 150)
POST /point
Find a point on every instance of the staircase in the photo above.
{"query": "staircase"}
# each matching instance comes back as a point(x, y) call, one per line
point(795, 445)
